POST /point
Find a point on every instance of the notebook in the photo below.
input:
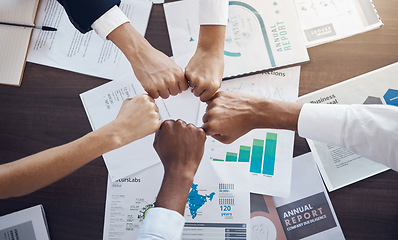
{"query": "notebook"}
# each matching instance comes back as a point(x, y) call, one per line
point(14, 40)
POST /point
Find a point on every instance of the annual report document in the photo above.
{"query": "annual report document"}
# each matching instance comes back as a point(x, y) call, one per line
point(88, 54)
point(27, 224)
point(259, 34)
point(340, 167)
point(102, 105)
point(324, 21)
point(269, 151)
point(306, 214)
point(215, 207)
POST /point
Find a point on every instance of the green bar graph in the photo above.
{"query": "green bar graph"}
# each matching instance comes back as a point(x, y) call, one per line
point(231, 157)
point(218, 160)
point(269, 154)
point(244, 154)
point(257, 156)
point(261, 155)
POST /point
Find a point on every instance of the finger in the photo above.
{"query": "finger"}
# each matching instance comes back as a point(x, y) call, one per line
point(151, 99)
point(156, 109)
point(181, 122)
point(215, 96)
point(222, 138)
point(152, 92)
point(198, 90)
point(205, 118)
point(183, 84)
point(164, 93)
point(156, 140)
point(206, 95)
point(174, 89)
point(208, 129)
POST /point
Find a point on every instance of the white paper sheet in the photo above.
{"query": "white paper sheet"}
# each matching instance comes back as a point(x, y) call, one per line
point(339, 170)
point(158, 1)
point(86, 53)
point(260, 35)
point(29, 223)
point(324, 21)
point(314, 217)
point(272, 179)
point(102, 105)
point(225, 190)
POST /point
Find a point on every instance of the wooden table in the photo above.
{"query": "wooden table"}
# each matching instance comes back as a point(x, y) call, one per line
point(46, 111)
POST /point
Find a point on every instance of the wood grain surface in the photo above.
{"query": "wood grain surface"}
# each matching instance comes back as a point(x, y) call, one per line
point(46, 111)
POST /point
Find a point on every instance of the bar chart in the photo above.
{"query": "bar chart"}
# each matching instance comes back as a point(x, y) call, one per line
point(261, 155)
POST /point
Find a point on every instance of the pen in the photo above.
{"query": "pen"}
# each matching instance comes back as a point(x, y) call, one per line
point(44, 28)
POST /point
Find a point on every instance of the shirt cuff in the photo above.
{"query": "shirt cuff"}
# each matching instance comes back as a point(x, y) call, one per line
point(109, 21)
point(162, 223)
point(213, 12)
point(322, 122)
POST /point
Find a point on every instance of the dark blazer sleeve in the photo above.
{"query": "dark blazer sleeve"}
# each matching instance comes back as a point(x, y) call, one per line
point(83, 13)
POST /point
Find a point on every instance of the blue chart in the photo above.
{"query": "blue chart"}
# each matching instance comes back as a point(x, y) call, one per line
point(391, 97)
point(196, 200)
point(261, 155)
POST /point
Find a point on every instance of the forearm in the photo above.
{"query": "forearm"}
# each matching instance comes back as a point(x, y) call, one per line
point(39, 170)
point(211, 39)
point(269, 113)
point(375, 129)
point(174, 191)
point(129, 41)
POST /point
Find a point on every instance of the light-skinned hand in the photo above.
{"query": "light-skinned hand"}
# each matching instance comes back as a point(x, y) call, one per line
point(137, 118)
point(205, 69)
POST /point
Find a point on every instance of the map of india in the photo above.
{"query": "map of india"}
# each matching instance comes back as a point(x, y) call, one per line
point(196, 201)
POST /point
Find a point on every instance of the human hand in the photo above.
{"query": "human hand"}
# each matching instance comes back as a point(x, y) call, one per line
point(230, 115)
point(157, 73)
point(204, 73)
point(180, 147)
point(137, 118)
point(205, 69)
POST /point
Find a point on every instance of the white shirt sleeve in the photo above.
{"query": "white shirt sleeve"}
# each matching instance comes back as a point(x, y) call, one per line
point(213, 12)
point(109, 21)
point(368, 130)
point(162, 223)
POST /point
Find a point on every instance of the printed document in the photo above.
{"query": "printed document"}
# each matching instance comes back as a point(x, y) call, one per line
point(306, 214)
point(324, 21)
point(102, 105)
point(217, 205)
point(269, 151)
point(340, 167)
point(259, 35)
point(29, 224)
point(88, 54)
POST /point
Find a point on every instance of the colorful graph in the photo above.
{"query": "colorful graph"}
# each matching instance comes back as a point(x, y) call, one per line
point(261, 155)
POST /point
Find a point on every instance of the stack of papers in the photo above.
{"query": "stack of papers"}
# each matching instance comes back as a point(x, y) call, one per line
point(260, 35)
point(135, 171)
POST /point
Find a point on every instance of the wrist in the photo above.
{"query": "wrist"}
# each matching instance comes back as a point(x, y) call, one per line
point(211, 40)
point(174, 191)
point(129, 41)
point(277, 114)
point(113, 136)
